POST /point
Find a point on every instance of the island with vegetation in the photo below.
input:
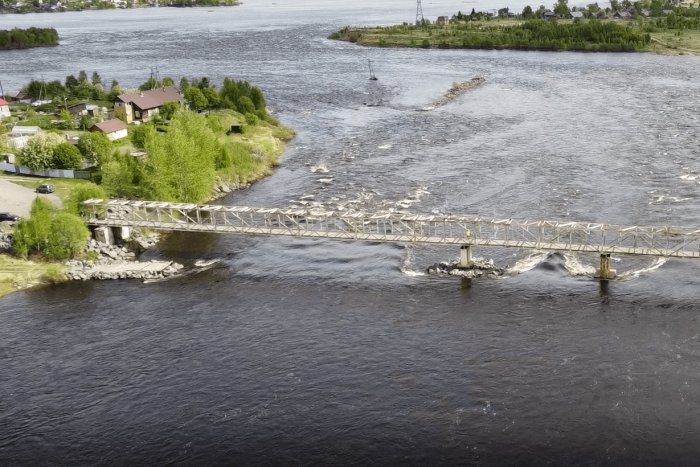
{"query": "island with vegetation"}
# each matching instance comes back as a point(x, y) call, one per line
point(201, 143)
point(646, 26)
point(25, 38)
point(52, 6)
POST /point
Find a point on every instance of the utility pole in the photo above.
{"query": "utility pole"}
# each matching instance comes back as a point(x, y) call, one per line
point(419, 13)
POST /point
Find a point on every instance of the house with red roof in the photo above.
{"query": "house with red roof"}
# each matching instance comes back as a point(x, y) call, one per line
point(146, 104)
point(4, 108)
point(113, 129)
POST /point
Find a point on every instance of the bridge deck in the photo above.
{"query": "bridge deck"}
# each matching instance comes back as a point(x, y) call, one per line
point(395, 227)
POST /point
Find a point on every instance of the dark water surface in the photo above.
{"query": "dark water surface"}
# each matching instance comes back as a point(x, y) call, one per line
point(306, 352)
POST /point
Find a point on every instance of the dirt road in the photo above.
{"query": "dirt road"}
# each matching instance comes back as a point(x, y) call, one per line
point(17, 199)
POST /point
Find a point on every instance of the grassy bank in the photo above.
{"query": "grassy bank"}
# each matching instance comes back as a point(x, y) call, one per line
point(17, 274)
point(255, 152)
point(588, 36)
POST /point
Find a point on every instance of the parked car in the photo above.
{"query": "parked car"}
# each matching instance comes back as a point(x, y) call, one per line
point(45, 188)
point(6, 216)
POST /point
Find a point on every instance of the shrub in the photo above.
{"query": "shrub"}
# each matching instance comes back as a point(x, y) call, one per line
point(81, 193)
point(66, 156)
point(56, 236)
point(54, 274)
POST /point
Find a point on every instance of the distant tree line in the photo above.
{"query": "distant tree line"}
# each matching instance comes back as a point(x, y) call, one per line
point(74, 89)
point(25, 38)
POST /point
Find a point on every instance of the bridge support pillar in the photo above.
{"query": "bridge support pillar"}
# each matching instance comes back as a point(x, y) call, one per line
point(605, 272)
point(465, 256)
point(104, 235)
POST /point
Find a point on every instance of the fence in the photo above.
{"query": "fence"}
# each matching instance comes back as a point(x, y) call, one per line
point(49, 173)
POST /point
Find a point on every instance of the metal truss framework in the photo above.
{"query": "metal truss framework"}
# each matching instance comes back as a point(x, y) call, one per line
point(393, 227)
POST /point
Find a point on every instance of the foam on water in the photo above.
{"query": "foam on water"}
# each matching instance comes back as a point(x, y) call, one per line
point(576, 267)
point(529, 262)
point(635, 273)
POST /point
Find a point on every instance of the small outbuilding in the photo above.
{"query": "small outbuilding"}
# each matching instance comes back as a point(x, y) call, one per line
point(114, 129)
point(624, 15)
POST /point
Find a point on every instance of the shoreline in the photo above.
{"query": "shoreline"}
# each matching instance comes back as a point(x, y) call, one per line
point(493, 35)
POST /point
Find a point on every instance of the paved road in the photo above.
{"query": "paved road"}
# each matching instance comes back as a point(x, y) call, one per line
point(18, 200)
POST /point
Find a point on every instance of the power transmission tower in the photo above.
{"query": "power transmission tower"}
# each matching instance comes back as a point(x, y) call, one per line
point(419, 13)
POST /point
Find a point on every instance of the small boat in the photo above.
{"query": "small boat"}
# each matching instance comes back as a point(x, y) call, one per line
point(372, 77)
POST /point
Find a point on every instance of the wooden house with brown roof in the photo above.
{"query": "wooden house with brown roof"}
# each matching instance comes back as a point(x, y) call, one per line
point(114, 129)
point(146, 104)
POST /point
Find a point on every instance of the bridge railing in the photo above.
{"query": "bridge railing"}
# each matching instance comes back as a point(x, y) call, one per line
point(401, 227)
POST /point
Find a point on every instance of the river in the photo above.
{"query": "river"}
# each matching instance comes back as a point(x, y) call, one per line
point(289, 351)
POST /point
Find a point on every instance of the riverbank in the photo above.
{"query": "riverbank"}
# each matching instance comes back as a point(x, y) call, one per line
point(72, 5)
point(515, 34)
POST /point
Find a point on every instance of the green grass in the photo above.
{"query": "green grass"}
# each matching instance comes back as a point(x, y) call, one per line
point(17, 274)
point(255, 151)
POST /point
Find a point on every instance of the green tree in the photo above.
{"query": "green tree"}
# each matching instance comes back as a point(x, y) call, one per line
point(212, 97)
point(182, 162)
point(67, 119)
point(245, 105)
point(85, 122)
point(66, 156)
point(562, 9)
point(168, 109)
point(96, 79)
point(141, 133)
point(95, 147)
point(184, 84)
point(37, 154)
point(71, 83)
point(124, 177)
point(528, 13)
point(195, 98)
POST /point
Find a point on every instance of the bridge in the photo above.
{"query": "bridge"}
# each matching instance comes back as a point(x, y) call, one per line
point(400, 227)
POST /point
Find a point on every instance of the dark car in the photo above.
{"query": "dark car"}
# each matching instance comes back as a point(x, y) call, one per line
point(6, 216)
point(46, 188)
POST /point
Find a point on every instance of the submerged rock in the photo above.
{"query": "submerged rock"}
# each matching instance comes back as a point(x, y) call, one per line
point(479, 268)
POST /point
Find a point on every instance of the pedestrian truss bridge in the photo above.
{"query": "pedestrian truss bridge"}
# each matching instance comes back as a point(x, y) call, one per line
point(399, 227)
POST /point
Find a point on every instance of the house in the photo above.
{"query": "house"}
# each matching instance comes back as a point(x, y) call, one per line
point(146, 104)
point(626, 15)
point(549, 14)
point(577, 15)
point(4, 108)
point(20, 97)
point(114, 129)
point(78, 110)
point(442, 21)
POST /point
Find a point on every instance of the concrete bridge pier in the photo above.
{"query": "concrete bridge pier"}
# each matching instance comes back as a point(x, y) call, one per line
point(604, 272)
point(465, 256)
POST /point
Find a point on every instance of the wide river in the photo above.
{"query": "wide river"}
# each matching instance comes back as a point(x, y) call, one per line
point(291, 351)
